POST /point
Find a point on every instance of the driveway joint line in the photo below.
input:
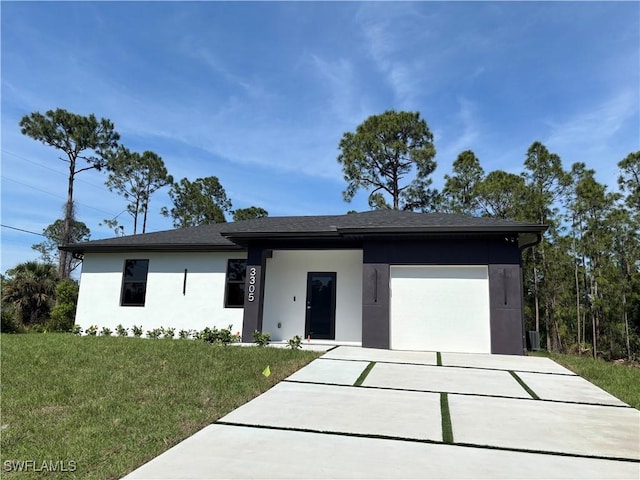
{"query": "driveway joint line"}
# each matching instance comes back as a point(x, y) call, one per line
point(374, 387)
point(445, 413)
point(364, 374)
point(427, 441)
point(523, 384)
point(571, 374)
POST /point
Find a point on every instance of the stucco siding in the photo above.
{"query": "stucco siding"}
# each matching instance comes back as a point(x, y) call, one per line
point(285, 291)
point(202, 304)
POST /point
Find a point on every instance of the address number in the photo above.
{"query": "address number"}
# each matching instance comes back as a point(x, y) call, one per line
point(252, 284)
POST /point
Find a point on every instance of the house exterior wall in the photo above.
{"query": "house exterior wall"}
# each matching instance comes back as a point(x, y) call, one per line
point(500, 254)
point(202, 304)
point(285, 291)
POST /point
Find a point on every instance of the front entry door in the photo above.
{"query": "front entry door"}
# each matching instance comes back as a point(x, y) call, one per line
point(321, 305)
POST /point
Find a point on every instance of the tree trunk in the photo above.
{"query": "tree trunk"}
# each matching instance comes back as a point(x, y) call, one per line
point(536, 300)
point(135, 216)
point(626, 324)
point(577, 281)
point(594, 322)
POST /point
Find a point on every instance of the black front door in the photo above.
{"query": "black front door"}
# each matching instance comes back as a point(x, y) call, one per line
point(321, 305)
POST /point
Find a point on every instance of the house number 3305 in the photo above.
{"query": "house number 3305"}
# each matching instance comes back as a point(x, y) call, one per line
point(252, 284)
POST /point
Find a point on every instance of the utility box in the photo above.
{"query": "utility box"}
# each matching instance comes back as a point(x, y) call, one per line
point(533, 340)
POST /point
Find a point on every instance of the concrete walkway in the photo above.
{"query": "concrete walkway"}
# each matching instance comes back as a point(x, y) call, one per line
point(509, 417)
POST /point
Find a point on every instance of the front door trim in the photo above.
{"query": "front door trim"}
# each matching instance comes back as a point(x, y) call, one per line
point(309, 307)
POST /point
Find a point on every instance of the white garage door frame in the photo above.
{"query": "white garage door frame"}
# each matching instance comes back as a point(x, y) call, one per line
point(440, 308)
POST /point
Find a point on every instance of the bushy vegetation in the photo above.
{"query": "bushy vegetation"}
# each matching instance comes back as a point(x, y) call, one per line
point(582, 281)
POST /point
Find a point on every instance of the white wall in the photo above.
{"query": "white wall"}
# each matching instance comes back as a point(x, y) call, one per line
point(286, 279)
point(165, 306)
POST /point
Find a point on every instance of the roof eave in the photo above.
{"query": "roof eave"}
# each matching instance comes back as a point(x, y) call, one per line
point(79, 248)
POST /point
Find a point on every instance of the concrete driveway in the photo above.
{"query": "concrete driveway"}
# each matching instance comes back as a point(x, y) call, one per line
point(417, 415)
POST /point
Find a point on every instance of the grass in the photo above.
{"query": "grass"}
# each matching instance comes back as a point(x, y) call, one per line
point(364, 374)
point(447, 428)
point(621, 381)
point(110, 404)
point(524, 385)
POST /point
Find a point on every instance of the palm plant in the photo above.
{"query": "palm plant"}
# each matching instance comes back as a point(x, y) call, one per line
point(30, 290)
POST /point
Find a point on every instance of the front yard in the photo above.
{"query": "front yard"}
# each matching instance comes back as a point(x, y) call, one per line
point(98, 407)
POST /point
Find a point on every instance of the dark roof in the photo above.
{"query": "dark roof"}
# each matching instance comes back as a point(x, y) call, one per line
point(230, 236)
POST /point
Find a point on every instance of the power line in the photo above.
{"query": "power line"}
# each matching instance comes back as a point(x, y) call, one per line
point(4, 177)
point(22, 230)
point(53, 169)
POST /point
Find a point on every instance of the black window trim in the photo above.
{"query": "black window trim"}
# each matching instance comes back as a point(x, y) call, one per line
point(125, 282)
point(228, 282)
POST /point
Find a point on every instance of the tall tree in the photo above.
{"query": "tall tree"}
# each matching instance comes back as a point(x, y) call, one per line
point(461, 188)
point(594, 207)
point(30, 290)
point(501, 195)
point(200, 202)
point(249, 213)
point(136, 177)
point(384, 150)
point(629, 181)
point(546, 183)
point(54, 235)
point(85, 142)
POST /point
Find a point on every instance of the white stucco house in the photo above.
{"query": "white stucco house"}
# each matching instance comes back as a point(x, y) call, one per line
point(383, 279)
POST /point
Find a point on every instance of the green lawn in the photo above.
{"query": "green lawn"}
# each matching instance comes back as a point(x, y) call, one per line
point(109, 404)
point(622, 381)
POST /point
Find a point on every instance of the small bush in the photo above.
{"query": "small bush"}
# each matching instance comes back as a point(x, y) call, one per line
point(218, 337)
point(10, 323)
point(106, 332)
point(261, 339)
point(64, 312)
point(155, 333)
point(295, 343)
point(122, 331)
point(92, 330)
point(168, 332)
point(76, 330)
point(136, 330)
point(184, 334)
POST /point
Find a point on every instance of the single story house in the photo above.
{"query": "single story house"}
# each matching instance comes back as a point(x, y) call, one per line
point(380, 279)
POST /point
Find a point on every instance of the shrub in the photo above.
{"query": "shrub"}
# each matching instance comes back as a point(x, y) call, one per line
point(184, 334)
point(64, 311)
point(168, 332)
point(105, 332)
point(122, 331)
point(219, 337)
point(295, 342)
point(9, 322)
point(261, 339)
point(92, 330)
point(76, 330)
point(155, 333)
point(136, 330)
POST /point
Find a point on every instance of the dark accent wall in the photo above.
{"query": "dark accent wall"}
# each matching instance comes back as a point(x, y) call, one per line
point(471, 251)
point(501, 254)
point(375, 305)
point(505, 305)
point(252, 318)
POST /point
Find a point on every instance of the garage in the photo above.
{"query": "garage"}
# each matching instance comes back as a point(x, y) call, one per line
point(440, 308)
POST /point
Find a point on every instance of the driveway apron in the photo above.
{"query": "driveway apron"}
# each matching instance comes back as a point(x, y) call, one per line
point(368, 413)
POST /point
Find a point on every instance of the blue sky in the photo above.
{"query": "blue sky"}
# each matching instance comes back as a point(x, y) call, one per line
point(259, 94)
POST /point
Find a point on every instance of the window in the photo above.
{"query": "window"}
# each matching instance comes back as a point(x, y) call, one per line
point(234, 294)
point(134, 283)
